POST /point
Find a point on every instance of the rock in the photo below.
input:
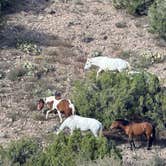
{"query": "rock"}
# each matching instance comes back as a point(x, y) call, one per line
point(105, 37)
point(87, 39)
point(2, 75)
point(121, 24)
point(3, 135)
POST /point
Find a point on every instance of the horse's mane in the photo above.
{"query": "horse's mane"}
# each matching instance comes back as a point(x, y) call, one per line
point(123, 121)
point(41, 100)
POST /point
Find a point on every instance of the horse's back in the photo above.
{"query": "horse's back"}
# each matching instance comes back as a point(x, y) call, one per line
point(111, 63)
point(50, 98)
point(84, 120)
point(139, 128)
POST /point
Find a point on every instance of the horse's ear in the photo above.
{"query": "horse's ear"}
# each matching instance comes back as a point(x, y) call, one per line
point(44, 99)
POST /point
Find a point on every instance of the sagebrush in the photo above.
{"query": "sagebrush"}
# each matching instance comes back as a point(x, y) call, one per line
point(134, 97)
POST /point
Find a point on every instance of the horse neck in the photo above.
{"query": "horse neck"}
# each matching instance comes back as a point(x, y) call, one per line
point(94, 61)
point(122, 126)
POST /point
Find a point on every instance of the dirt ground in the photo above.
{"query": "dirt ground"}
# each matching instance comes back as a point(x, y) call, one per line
point(66, 33)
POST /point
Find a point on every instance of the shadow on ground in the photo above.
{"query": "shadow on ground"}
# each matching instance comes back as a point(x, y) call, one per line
point(10, 35)
point(33, 6)
point(120, 138)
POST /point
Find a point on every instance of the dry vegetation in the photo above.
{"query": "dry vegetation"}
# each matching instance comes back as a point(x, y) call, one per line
point(43, 48)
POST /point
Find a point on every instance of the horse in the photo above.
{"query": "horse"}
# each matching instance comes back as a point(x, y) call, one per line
point(60, 105)
point(136, 129)
point(84, 124)
point(106, 63)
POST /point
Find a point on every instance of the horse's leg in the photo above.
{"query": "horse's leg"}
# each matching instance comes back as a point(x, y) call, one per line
point(149, 142)
point(72, 107)
point(60, 117)
point(94, 133)
point(133, 144)
point(98, 72)
point(48, 113)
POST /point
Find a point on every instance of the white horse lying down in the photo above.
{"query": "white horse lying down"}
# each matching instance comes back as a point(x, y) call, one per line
point(106, 63)
point(77, 122)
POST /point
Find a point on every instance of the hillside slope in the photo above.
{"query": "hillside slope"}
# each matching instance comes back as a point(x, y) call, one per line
point(65, 34)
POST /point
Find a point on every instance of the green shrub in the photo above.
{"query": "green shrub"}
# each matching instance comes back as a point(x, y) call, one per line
point(146, 58)
point(67, 150)
point(16, 73)
point(138, 7)
point(120, 95)
point(28, 47)
point(157, 17)
point(19, 152)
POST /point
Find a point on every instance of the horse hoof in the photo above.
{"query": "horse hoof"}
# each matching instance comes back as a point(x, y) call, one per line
point(148, 148)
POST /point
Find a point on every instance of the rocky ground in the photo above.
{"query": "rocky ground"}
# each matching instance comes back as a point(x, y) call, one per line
point(65, 34)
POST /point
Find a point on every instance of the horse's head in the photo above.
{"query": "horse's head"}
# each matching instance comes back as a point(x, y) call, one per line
point(118, 123)
point(115, 125)
point(88, 64)
point(40, 104)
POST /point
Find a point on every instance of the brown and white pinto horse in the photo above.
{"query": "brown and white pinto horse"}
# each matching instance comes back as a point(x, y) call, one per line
point(60, 105)
point(136, 129)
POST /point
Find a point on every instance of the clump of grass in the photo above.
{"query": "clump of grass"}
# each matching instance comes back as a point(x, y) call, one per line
point(28, 47)
point(17, 73)
point(96, 53)
point(148, 58)
point(14, 116)
point(121, 24)
point(106, 161)
point(38, 117)
point(125, 54)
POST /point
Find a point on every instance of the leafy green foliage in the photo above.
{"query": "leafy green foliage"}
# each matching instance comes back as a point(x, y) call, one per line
point(157, 17)
point(120, 95)
point(66, 150)
point(18, 153)
point(138, 7)
point(63, 150)
point(28, 47)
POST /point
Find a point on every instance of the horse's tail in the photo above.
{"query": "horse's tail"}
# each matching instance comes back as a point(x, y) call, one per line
point(153, 136)
point(72, 107)
point(129, 66)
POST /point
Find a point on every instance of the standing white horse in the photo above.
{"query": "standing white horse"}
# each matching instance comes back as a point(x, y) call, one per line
point(78, 122)
point(106, 63)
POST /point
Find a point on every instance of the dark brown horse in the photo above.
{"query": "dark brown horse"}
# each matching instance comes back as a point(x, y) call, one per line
point(133, 129)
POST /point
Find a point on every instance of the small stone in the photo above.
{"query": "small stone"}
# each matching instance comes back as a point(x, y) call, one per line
point(105, 37)
point(87, 39)
point(2, 135)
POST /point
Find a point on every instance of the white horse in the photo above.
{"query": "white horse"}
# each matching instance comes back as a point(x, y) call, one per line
point(106, 63)
point(78, 122)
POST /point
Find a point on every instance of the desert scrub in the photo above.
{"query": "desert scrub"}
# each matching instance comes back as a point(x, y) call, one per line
point(157, 17)
point(106, 161)
point(135, 7)
point(146, 58)
point(19, 152)
point(67, 150)
point(38, 116)
point(16, 73)
point(28, 47)
point(120, 95)
point(143, 59)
